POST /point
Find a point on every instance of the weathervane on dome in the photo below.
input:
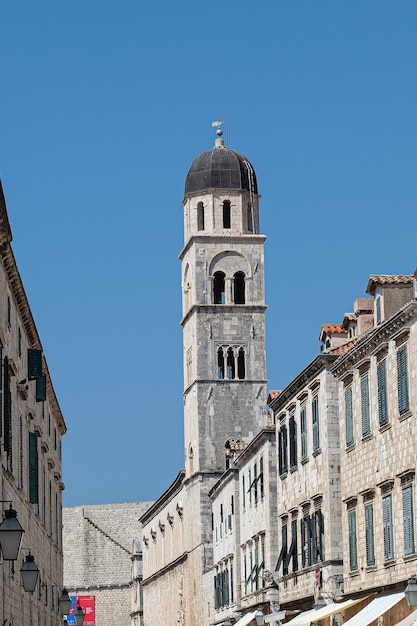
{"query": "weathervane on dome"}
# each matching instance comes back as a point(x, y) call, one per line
point(218, 123)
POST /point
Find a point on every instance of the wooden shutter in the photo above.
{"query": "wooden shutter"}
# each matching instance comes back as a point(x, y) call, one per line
point(403, 401)
point(315, 423)
point(303, 424)
point(41, 388)
point(387, 526)
point(349, 416)
point(33, 469)
point(369, 534)
point(366, 422)
point(382, 393)
point(293, 441)
point(34, 364)
point(353, 554)
point(408, 520)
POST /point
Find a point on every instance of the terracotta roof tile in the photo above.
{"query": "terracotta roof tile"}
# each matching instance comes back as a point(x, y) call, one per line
point(388, 279)
point(334, 328)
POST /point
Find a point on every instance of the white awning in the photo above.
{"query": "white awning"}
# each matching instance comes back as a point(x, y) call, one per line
point(316, 615)
point(246, 619)
point(374, 609)
point(410, 620)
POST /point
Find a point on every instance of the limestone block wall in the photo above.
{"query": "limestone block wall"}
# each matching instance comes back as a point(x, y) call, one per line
point(378, 466)
point(98, 552)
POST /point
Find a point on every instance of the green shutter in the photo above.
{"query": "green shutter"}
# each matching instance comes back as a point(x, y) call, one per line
point(33, 469)
point(349, 417)
point(366, 422)
point(408, 520)
point(403, 402)
point(303, 424)
point(382, 393)
point(41, 388)
point(34, 364)
point(353, 555)
point(387, 526)
point(315, 423)
point(369, 534)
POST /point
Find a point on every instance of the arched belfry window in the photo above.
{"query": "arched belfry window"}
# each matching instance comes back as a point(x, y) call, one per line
point(220, 363)
point(250, 218)
point(239, 288)
point(241, 364)
point(230, 364)
point(219, 295)
point(200, 216)
point(226, 214)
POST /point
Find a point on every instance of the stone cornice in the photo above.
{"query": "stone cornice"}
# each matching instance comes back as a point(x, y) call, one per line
point(213, 238)
point(163, 570)
point(168, 495)
point(321, 362)
point(374, 338)
point(223, 308)
point(16, 286)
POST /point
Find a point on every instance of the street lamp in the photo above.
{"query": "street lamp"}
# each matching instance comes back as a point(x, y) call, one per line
point(64, 603)
point(259, 617)
point(410, 592)
point(79, 615)
point(320, 602)
point(10, 535)
point(29, 572)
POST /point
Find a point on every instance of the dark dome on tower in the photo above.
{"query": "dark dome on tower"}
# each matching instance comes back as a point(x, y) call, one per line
point(221, 168)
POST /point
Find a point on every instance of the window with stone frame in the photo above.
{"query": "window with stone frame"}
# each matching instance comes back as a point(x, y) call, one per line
point(292, 428)
point(402, 379)
point(303, 429)
point(369, 534)
point(227, 222)
point(200, 216)
point(408, 520)
point(315, 422)
point(388, 530)
point(382, 392)
point(365, 406)
point(353, 545)
point(349, 417)
point(282, 449)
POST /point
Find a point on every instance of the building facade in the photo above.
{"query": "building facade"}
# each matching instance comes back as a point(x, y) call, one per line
point(31, 429)
point(103, 559)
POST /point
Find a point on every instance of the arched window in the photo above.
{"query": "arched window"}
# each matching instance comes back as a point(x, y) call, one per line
point(226, 214)
point(200, 216)
point(250, 218)
point(241, 364)
point(219, 288)
point(239, 288)
point(220, 364)
point(230, 364)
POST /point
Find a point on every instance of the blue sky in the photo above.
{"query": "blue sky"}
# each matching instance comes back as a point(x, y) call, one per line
point(104, 105)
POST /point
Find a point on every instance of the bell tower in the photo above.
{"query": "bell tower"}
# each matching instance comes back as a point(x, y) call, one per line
point(223, 308)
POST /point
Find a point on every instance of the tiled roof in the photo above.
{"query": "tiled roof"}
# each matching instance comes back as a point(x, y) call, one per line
point(388, 279)
point(333, 328)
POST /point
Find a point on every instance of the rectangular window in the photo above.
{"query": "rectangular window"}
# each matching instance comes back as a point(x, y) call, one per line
point(294, 544)
point(315, 422)
point(306, 541)
point(243, 492)
point(293, 441)
point(408, 520)
point(378, 310)
point(366, 421)
point(303, 424)
point(255, 482)
point(34, 364)
point(282, 559)
point(388, 529)
point(261, 476)
point(349, 417)
point(250, 487)
point(402, 371)
point(282, 449)
point(33, 469)
point(382, 393)
point(369, 534)
point(353, 550)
